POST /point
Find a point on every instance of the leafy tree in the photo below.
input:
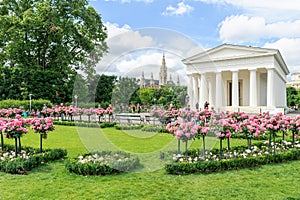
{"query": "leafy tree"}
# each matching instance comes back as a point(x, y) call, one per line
point(291, 94)
point(55, 36)
point(49, 35)
point(105, 88)
point(11, 85)
point(125, 90)
point(164, 95)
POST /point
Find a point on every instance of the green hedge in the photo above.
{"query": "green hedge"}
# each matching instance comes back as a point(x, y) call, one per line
point(22, 165)
point(155, 128)
point(111, 167)
point(231, 164)
point(85, 124)
point(35, 104)
point(129, 126)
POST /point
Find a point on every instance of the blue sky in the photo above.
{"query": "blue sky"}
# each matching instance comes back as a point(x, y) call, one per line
point(140, 30)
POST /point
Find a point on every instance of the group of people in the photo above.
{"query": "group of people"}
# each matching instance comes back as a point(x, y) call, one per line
point(206, 107)
point(135, 108)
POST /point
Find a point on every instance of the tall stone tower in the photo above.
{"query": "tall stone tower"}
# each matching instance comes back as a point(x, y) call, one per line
point(152, 81)
point(142, 82)
point(178, 80)
point(163, 72)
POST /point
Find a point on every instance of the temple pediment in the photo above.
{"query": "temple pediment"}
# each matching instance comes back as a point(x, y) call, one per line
point(235, 54)
point(227, 51)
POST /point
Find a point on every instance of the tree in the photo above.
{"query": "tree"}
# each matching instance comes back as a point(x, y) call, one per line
point(104, 89)
point(291, 94)
point(124, 91)
point(53, 35)
point(164, 95)
point(49, 35)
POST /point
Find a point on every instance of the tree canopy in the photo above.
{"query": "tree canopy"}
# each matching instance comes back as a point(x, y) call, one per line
point(51, 36)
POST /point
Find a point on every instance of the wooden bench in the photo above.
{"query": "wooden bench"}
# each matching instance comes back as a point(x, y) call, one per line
point(129, 117)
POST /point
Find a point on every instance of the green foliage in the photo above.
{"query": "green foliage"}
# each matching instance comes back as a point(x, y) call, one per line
point(49, 35)
point(86, 124)
point(125, 91)
point(231, 164)
point(291, 96)
point(128, 126)
point(23, 165)
point(155, 128)
point(35, 104)
point(95, 166)
point(164, 95)
point(104, 89)
point(42, 45)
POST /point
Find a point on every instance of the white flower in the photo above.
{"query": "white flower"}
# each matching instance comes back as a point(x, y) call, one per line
point(248, 151)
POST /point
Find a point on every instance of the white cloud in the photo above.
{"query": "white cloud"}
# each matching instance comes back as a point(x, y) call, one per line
point(148, 61)
point(129, 1)
point(289, 49)
point(181, 9)
point(270, 9)
point(113, 29)
point(241, 29)
point(134, 51)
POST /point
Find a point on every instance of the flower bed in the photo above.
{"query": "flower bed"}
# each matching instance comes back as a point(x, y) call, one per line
point(235, 158)
point(27, 159)
point(103, 163)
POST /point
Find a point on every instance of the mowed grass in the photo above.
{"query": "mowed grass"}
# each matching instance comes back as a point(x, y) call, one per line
point(53, 181)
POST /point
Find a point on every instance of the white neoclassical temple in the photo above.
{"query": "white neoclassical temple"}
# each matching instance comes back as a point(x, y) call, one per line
point(233, 77)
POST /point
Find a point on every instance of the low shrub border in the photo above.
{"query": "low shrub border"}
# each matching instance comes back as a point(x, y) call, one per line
point(85, 124)
point(155, 128)
point(129, 126)
point(29, 159)
point(231, 164)
point(103, 163)
point(191, 165)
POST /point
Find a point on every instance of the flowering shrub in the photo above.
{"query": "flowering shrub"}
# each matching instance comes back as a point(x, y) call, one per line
point(42, 126)
point(238, 157)
point(14, 128)
point(103, 163)
point(28, 159)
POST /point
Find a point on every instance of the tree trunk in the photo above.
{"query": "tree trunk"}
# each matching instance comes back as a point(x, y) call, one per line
point(2, 142)
point(221, 148)
point(228, 143)
point(178, 148)
point(293, 140)
point(16, 147)
point(41, 142)
point(19, 138)
point(186, 149)
point(203, 139)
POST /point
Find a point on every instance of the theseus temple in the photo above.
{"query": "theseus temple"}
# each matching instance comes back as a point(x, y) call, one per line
point(237, 78)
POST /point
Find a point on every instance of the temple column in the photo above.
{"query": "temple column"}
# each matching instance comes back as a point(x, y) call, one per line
point(253, 88)
point(235, 88)
point(190, 90)
point(203, 90)
point(210, 95)
point(196, 91)
point(270, 87)
point(219, 93)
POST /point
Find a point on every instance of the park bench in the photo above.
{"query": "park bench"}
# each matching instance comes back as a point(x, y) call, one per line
point(129, 118)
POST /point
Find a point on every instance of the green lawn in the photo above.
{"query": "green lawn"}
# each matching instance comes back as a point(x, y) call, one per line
point(53, 181)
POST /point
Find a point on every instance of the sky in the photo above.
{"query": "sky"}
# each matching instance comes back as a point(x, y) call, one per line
point(141, 31)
